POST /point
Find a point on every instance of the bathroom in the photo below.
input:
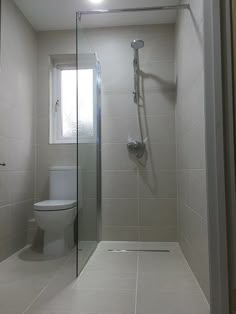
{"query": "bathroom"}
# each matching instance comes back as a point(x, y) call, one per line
point(106, 198)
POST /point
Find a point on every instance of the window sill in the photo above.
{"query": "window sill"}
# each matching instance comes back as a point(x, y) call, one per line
point(70, 142)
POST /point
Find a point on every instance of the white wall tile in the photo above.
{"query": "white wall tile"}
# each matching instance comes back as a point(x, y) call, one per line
point(157, 76)
point(5, 194)
point(117, 157)
point(197, 195)
point(158, 103)
point(17, 125)
point(120, 184)
point(160, 184)
point(119, 130)
point(118, 104)
point(190, 138)
point(158, 157)
point(120, 233)
point(158, 213)
point(120, 212)
point(89, 184)
point(159, 129)
point(6, 222)
point(162, 234)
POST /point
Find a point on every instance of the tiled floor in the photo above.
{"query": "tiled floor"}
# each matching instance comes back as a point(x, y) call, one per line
point(111, 283)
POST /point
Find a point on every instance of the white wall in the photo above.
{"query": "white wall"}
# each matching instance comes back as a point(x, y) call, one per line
point(18, 69)
point(190, 137)
point(139, 198)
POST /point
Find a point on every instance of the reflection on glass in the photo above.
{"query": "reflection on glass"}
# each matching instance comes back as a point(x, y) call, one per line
point(89, 148)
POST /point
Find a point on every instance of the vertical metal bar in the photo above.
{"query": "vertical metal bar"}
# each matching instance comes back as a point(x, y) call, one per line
point(77, 149)
point(229, 129)
point(219, 298)
point(99, 152)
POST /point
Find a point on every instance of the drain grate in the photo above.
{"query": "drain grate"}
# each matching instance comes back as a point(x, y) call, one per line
point(127, 251)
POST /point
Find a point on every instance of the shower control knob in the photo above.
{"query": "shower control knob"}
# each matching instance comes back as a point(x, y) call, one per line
point(137, 148)
point(3, 164)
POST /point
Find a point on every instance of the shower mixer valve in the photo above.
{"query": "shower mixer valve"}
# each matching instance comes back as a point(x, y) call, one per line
point(137, 148)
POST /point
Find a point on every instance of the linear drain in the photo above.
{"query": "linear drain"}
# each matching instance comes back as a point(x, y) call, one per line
point(126, 251)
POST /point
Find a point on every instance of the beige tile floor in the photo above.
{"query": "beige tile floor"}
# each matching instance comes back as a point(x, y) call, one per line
point(111, 283)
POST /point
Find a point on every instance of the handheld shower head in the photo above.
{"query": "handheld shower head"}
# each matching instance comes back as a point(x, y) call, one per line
point(137, 44)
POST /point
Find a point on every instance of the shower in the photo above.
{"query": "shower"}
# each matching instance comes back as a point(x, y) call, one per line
point(136, 45)
point(137, 147)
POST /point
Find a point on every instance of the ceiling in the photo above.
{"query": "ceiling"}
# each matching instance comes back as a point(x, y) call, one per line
point(46, 15)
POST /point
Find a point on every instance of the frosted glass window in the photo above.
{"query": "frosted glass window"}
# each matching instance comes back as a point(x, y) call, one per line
point(85, 103)
point(68, 103)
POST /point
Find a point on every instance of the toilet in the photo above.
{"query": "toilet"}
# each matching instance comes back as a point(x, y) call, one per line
point(56, 216)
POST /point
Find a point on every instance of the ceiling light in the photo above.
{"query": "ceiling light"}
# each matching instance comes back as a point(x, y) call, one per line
point(96, 1)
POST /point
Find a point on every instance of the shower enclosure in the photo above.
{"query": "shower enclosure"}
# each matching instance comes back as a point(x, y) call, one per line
point(88, 148)
point(138, 148)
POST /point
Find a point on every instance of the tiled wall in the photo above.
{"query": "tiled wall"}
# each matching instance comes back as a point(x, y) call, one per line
point(190, 136)
point(17, 127)
point(139, 198)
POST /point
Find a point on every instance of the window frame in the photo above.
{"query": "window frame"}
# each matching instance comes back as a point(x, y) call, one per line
point(58, 64)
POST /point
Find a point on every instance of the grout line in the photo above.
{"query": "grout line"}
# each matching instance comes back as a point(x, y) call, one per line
point(189, 267)
point(143, 171)
point(194, 210)
point(47, 285)
point(30, 305)
point(14, 254)
point(143, 198)
point(155, 115)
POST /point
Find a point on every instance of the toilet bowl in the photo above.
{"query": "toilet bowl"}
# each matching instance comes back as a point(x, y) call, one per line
point(56, 216)
point(56, 219)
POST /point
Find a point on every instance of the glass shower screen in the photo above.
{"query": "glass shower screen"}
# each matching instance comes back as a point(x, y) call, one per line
point(88, 147)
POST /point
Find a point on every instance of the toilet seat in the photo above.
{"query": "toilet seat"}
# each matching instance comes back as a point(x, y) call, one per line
point(55, 205)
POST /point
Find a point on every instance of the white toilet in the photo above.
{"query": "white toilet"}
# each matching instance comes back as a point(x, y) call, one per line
point(56, 216)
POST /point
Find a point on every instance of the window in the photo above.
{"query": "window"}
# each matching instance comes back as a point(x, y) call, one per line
point(63, 128)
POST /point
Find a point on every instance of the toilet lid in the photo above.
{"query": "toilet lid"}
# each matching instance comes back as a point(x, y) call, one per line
point(52, 205)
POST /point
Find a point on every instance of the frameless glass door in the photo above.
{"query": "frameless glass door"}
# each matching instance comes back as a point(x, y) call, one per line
point(88, 147)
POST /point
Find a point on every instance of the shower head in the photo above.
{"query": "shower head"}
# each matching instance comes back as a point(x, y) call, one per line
point(137, 44)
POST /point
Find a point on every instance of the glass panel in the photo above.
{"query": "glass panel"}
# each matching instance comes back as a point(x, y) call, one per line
point(88, 153)
point(140, 190)
point(230, 207)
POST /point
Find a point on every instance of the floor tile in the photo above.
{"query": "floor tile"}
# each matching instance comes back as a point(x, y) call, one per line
point(86, 301)
point(119, 245)
point(113, 262)
point(152, 302)
point(110, 283)
point(155, 262)
point(167, 282)
point(106, 281)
